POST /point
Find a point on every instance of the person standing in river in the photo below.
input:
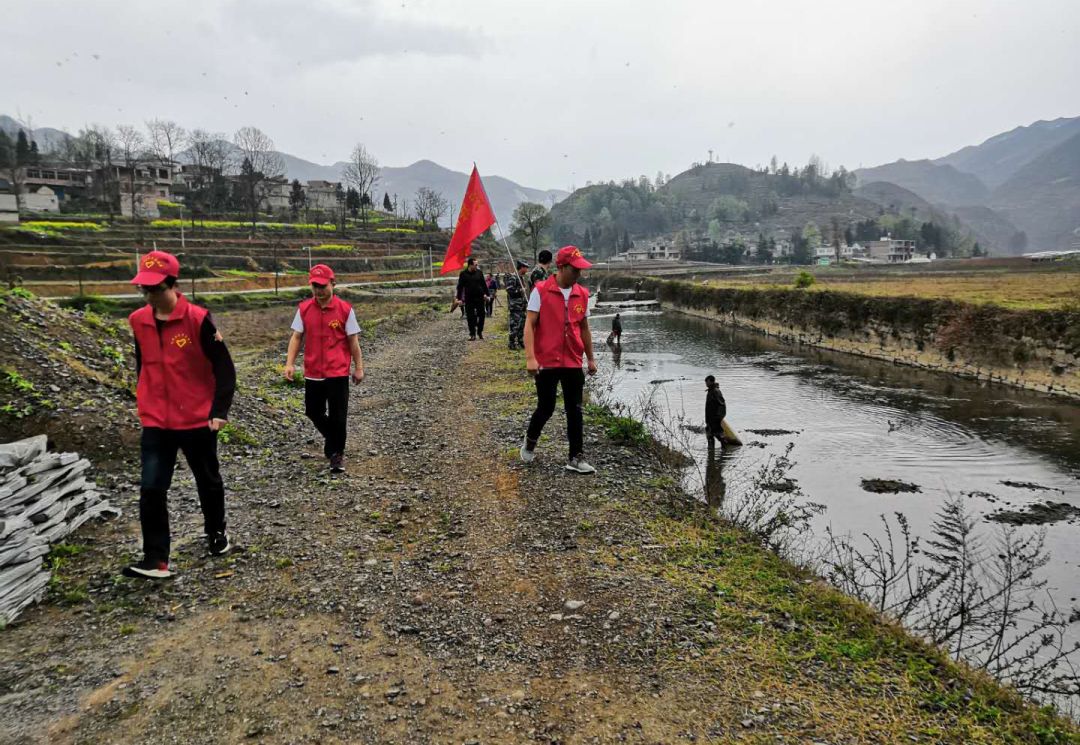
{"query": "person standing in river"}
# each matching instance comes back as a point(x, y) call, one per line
point(615, 337)
point(186, 382)
point(472, 289)
point(516, 304)
point(715, 411)
point(556, 336)
point(331, 335)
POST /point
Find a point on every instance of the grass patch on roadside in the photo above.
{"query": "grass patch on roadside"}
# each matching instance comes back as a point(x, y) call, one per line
point(796, 635)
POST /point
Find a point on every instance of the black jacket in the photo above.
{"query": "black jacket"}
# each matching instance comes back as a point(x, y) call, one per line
point(472, 286)
point(715, 407)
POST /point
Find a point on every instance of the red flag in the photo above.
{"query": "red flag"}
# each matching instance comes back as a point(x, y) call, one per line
point(475, 217)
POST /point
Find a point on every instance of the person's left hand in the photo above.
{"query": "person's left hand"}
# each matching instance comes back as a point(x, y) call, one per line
point(592, 367)
point(216, 424)
point(358, 375)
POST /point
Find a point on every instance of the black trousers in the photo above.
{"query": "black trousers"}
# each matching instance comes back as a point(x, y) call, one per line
point(159, 448)
point(474, 313)
point(326, 403)
point(573, 385)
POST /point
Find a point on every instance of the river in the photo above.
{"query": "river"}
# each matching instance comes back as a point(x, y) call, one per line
point(851, 419)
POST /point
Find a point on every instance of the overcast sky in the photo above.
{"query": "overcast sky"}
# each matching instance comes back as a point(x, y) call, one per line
point(554, 93)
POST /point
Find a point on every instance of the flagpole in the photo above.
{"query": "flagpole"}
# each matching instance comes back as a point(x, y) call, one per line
point(513, 261)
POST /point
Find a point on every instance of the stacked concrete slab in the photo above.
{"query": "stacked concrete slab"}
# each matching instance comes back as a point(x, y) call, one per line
point(43, 498)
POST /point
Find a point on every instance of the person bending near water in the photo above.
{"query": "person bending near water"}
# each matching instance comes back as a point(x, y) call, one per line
point(715, 411)
point(556, 335)
point(615, 337)
point(186, 382)
point(331, 335)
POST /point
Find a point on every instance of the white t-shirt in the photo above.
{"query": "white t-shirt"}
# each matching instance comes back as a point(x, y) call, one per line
point(534, 300)
point(351, 326)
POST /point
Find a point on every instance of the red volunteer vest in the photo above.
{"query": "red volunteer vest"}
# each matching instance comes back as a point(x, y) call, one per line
point(176, 380)
point(326, 345)
point(557, 337)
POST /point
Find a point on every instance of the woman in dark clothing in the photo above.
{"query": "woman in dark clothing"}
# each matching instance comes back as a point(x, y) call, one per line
point(715, 411)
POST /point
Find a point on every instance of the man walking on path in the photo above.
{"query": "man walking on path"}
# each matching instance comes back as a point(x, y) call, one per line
point(540, 271)
point(556, 335)
point(516, 303)
point(331, 335)
point(715, 411)
point(472, 289)
point(186, 382)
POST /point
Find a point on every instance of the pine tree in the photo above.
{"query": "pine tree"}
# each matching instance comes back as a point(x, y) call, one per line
point(22, 150)
point(386, 203)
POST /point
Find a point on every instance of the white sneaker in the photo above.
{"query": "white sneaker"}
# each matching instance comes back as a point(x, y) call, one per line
point(578, 465)
point(527, 455)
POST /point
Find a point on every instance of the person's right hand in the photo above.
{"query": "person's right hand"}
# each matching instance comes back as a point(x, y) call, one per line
point(290, 372)
point(532, 366)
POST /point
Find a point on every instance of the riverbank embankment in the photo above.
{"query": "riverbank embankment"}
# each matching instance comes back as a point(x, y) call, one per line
point(1031, 349)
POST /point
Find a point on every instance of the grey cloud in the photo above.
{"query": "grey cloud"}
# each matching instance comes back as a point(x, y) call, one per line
point(322, 32)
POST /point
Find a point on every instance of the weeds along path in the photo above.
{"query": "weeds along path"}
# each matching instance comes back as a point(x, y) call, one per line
point(423, 597)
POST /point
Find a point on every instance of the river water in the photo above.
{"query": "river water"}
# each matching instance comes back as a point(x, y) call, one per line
point(851, 419)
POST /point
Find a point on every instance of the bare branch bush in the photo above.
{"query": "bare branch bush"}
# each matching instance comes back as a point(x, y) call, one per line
point(979, 598)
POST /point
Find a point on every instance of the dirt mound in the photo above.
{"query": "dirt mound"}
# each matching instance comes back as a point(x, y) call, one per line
point(889, 486)
point(68, 374)
point(1042, 513)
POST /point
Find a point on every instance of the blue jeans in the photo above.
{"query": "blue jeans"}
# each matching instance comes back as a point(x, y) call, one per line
point(159, 449)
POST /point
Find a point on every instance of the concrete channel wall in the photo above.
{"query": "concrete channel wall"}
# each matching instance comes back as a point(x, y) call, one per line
point(1035, 350)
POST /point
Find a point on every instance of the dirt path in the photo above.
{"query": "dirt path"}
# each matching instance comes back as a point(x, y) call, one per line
point(424, 596)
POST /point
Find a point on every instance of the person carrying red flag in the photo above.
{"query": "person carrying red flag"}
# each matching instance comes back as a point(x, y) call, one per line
point(556, 335)
point(331, 335)
point(186, 382)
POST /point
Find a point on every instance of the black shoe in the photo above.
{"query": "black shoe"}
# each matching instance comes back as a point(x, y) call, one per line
point(337, 463)
point(472, 338)
point(148, 569)
point(480, 337)
point(218, 544)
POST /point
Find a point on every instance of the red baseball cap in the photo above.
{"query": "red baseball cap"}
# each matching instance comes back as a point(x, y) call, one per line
point(571, 255)
point(154, 267)
point(321, 273)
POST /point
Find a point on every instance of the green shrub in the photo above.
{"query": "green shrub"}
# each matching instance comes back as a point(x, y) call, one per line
point(805, 279)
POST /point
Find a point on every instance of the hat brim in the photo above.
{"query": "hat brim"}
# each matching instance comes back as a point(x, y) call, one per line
point(147, 278)
point(578, 263)
point(321, 279)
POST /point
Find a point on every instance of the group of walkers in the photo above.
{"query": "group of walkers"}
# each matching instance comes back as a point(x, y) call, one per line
point(186, 384)
point(187, 380)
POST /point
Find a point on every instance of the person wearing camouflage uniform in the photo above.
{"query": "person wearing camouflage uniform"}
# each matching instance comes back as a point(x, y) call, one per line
point(517, 302)
point(540, 271)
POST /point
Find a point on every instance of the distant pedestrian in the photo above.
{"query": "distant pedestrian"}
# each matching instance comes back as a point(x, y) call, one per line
point(715, 411)
point(330, 333)
point(540, 272)
point(472, 289)
point(492, 287)
point(186, 382)
point(516, 303)
point(556, 336)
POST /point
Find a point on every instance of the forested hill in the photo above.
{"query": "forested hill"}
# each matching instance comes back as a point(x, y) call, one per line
point(722, 202)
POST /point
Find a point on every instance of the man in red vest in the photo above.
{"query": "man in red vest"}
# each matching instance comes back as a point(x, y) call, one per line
point(556, 335)
point(327, 324)
point(186, 382)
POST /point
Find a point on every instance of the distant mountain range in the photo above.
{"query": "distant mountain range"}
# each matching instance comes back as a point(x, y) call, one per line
point(1028, 177)
point(505, 195)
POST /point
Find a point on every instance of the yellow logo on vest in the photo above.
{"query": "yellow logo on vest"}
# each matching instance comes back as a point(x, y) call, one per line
point(180, 341)
point(579, 308)
point(335, 324)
